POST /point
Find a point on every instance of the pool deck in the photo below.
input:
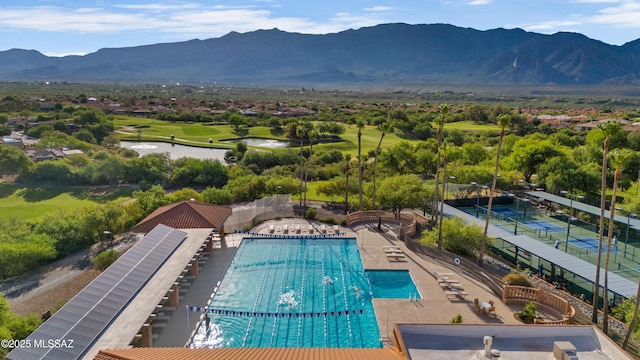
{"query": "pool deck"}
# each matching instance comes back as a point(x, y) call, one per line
point(435, 307)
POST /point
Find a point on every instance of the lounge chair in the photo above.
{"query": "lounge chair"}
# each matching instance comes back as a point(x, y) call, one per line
point(310, 228)
point(285, 229)
point(298, 229)
point(271, 229)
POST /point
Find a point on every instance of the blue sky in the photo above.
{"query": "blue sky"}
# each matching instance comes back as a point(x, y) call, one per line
point(62, 27)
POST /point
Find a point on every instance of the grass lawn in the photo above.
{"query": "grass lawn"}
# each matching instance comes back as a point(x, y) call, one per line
point(188, 133)
point(200, 133)
point(24, 203)
point(469, 126)
point(313, 195)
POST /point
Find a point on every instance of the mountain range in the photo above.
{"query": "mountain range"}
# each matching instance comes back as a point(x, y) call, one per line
point(387, 54)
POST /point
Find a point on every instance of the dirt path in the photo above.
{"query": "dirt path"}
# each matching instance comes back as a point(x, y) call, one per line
point(51, 286)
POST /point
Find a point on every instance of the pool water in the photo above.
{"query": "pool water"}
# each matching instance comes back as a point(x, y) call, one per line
point(292, 293)
point(392, 284)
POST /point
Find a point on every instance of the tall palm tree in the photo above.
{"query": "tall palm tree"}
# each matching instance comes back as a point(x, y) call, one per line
point(360, 125)
point(300, 131)
point(503, 121)
point(443, 109)
point(444, 148)
point(620, 159)
point(608, 128)
point(634, 317)
point(384, 128)
point(313, 135)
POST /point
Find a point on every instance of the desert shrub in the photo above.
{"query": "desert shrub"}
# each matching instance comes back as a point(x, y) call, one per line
point(456, 319)
point(104, 259)
point(528, 313)
point(310, 213)
point(516, 279)
point(343, 222)
point(328, 220)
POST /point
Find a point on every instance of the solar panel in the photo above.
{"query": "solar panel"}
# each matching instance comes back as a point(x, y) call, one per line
point(85, 317)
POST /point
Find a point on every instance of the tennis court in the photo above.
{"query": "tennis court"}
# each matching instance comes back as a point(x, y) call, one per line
point(592, 245)
point(543, 225)
point(504, 211)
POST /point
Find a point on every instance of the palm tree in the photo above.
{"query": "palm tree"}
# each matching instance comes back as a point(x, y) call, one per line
point(444, 148)
point(384, 128)
point(443, 109)
point(503, 121)
point(300, 131)
point(620, 159)
point(634, 317)
point(609, 128)
point(313, 135)
point(360, 125)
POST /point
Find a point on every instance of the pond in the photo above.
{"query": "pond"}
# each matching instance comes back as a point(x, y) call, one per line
point(258, 142)
point(175, 151)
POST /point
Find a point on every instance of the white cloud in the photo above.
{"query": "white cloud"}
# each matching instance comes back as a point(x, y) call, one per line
point(183, 20)
point(480, 2)
point(626, 14)
point(380, 8)
point(552, 26)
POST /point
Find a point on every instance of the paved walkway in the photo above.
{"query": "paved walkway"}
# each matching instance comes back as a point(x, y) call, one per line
point(434, 307)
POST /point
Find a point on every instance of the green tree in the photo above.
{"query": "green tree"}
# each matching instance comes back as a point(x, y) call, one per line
point(620, 159)
point(313, 135)
point(360, 126)
point(443, 109)
point(457, 236)
point(632, 325)
point(608, 129)
point(300, 132)
point(401, 192)
point(217, 196)
point(13, 160)
point(529, 153)
point(384, 128)
point(151, 199)
point(503, 123)
point(444, 149)
point(13, 326)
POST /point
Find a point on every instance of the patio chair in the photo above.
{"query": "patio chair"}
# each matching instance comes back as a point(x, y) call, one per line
point(476, 305)
point(492, 309)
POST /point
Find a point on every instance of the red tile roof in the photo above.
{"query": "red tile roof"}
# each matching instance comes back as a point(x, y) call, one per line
point(185, 215)
point(248, 354)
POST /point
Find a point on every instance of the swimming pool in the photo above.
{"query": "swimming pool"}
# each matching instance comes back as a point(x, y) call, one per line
point(392, 284)
point(292, 293)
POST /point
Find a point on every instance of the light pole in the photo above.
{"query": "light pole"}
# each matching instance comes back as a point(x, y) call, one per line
point(569, 220)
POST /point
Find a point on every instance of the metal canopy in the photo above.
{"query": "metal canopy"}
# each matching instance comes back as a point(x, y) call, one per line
point(580, 206)
point(617, 284)
point(85, 317)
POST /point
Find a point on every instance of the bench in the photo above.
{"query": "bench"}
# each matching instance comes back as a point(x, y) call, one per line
point(455, 293)
point(396, 257)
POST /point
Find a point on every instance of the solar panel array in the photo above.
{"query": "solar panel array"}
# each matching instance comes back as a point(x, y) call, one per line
point(85, 317)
